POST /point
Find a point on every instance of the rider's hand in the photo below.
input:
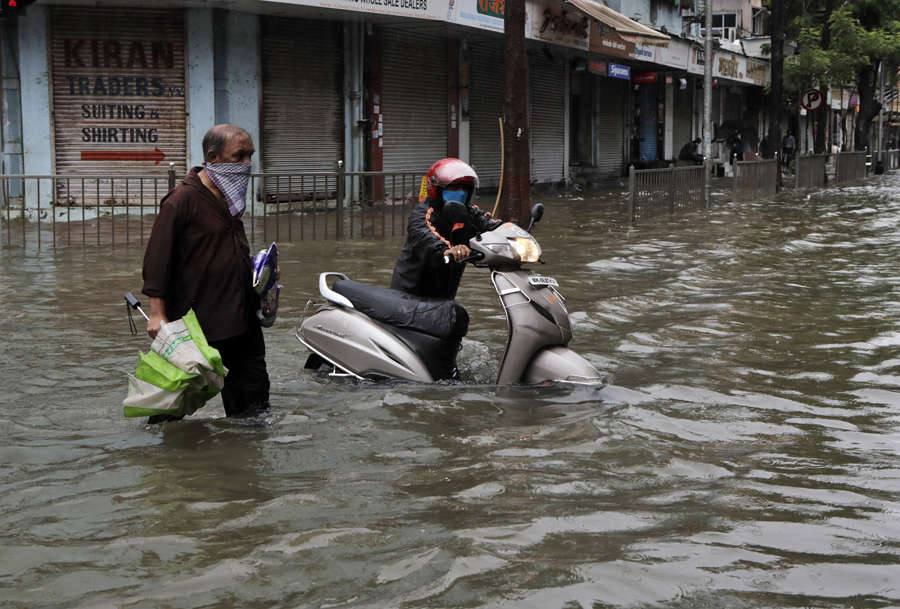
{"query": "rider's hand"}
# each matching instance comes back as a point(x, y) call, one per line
point(458, 252)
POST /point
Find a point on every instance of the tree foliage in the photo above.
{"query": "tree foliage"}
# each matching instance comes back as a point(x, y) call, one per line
point(861, 32)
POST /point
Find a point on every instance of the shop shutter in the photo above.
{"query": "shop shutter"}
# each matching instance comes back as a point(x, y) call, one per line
point(548, 115)
point(414, 100)
point(118, 88)
point(486, 92)
point(610, 126)
point(302, 105)
point(647, 127)
point(682, 114)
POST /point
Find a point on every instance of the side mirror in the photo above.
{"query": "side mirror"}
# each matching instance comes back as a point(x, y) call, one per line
point(537, 212)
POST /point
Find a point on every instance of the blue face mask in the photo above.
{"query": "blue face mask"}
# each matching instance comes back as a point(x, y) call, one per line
point(455, 196)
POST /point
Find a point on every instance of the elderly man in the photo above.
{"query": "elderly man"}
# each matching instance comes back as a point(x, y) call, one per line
point(198, 257)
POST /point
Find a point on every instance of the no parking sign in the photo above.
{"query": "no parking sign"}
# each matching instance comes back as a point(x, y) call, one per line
point(812, 100)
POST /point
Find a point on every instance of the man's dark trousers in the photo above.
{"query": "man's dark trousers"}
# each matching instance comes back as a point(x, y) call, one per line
point(246, 390)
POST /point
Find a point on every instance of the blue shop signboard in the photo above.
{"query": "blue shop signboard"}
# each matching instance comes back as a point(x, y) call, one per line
point(616, 71)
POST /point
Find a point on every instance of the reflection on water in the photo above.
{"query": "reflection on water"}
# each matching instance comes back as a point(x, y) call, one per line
point(745, 453)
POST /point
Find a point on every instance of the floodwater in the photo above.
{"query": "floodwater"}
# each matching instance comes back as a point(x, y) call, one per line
point(744, 454)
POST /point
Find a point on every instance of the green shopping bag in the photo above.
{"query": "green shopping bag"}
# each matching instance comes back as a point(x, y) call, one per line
point(179, 374)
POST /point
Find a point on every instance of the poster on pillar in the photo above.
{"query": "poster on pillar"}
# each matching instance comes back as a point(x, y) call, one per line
point(557, 23)
point(118, 86)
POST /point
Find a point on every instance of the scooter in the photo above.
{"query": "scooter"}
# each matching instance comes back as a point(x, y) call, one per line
point(378, 333)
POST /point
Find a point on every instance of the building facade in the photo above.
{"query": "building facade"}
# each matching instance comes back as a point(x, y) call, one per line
point(385, 85)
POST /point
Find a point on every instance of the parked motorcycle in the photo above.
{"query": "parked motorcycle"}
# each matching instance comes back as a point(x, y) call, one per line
point(378, 333)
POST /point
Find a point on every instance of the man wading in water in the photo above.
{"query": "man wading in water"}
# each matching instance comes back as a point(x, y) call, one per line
point(198, 257)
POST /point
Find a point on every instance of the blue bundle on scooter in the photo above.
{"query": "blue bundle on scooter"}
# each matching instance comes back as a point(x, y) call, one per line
point(264, 280)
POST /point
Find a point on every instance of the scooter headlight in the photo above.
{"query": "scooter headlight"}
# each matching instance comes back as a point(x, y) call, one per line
point(527, 248)
point(502, 249)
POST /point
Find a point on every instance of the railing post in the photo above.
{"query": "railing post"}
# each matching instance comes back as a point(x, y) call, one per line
point(777, 172)
point(707, 168)
point(339, 202)
point(734, 177)
point(671, 173)
point(631, 193)
point(171, 175)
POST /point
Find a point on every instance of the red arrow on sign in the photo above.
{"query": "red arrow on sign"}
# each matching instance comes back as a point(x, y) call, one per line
point(156, 155)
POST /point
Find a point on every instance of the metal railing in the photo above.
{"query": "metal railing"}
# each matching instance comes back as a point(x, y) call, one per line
point(755, 179)
point(849, 166)
point(334, 204)
point(809, 171)
point(669, 189)
point(63, 210)
point(68, 209)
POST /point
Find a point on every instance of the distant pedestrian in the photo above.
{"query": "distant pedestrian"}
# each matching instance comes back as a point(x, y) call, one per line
point(787, 148)
point(691, 152)
point(765, 148)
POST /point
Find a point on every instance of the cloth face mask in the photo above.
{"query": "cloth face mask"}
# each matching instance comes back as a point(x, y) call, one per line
point(232, 180)
point(455, 196)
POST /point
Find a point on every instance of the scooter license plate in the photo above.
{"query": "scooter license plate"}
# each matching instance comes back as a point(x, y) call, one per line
point(541, 281)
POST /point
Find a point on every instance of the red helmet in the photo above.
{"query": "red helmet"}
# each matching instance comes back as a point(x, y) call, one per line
point(450, 171)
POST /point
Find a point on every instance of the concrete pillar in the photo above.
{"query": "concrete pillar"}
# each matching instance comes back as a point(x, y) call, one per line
point(201, 96)
point(465, 69)
point(224, 44)
point(243, 75)
point(669, 124)
point(34, 67)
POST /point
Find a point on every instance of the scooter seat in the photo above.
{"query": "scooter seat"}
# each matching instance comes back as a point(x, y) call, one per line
point(443, 319)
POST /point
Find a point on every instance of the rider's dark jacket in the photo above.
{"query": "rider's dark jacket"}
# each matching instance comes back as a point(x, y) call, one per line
point(420, 269)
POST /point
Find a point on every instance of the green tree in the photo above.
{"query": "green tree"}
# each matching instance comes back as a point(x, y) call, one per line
point(866, 33)
point(841, 44)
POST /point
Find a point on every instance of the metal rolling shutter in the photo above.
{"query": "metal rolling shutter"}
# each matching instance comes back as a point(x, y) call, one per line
point(548, 110)
point(485, 107)
point(682, 113)
point(647, 127)
point(414, 100)
point(302, 106)
point(118, 86)
point(610, 131)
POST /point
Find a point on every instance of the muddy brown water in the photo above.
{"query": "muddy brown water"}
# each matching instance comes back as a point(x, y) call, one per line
point(744, 454)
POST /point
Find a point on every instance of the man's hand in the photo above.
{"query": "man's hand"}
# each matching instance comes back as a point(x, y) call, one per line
point(458, 252)
point(157, 316)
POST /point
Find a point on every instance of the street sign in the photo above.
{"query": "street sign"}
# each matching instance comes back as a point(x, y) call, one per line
point(812, 100)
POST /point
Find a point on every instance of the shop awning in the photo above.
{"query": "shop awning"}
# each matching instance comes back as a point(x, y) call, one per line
point(629, 29)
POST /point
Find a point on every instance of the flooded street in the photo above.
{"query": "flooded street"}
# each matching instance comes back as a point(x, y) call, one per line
point(746, 452)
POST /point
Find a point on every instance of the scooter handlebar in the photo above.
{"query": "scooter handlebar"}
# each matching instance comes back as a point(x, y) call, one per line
point(471, 258)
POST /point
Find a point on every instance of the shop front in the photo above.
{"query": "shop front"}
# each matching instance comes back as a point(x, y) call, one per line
point(118, 94)
point(302, 104)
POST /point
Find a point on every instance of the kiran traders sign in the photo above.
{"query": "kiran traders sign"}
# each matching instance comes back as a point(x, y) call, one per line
point(118, 85)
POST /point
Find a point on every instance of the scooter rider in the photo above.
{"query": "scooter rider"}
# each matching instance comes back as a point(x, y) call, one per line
point(441, 225)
